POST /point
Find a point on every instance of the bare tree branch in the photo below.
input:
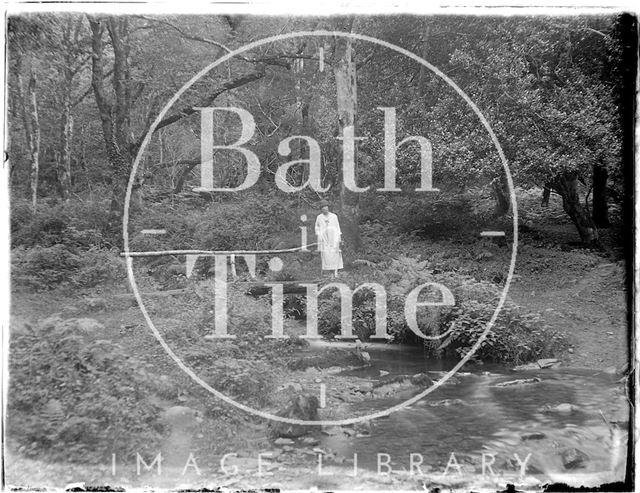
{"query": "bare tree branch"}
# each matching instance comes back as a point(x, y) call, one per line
point(189, 110)
point(597, 32)
point(185, 35)
point(274, 60)
point(97, 76)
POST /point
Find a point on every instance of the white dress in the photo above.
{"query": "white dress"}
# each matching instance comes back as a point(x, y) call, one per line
point(329, 234)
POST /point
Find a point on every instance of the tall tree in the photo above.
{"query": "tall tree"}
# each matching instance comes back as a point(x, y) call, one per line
point(26, 36)
point(544, 86)
point(116, 104)
point(539, 83)
point(29, 109)
point(73, 60)
point(600, 212)
point(114, 114)
point(347, 103)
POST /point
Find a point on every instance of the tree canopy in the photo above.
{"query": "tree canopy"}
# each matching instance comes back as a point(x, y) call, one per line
point(554, 90)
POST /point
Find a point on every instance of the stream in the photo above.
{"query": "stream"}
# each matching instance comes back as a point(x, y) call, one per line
point(571, 421)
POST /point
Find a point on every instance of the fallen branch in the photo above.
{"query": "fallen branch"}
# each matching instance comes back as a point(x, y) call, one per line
point(292, 287)
point(160, 253)
point(169, 292)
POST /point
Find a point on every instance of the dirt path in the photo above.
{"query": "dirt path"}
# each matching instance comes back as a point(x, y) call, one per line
point(587, 303)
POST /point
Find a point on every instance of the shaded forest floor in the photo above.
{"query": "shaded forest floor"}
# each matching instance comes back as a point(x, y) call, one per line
point(581, 292)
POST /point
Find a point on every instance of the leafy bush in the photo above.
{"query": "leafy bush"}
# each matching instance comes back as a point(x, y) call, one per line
point(295, 306)
point(79, 400)
point(61, 244)
point(77, 224)
point(515, 337)
point(247, 317)
point(247, 380)
point(98, 267)
point(44, 268)
point(444, 215)
point(363, 314)
point(246, 223)
point(254, 222)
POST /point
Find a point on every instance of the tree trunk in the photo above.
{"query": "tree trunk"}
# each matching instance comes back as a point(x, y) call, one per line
point(114, 116)
point(300, 172)
point(500, 188)
point(346, 89)
point(70, 35)
point(424, 73)
point(600, 213)
point(546, 195)
point(29, 108)
point(34, 144)
point(63, 163)
point(566, 185)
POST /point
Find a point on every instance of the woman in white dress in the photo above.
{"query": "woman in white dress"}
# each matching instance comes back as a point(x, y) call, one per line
point(329, 239)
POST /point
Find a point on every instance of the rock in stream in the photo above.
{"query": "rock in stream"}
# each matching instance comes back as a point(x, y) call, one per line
point(302, 407)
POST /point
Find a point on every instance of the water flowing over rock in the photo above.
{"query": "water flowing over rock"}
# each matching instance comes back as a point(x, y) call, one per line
point(573, 458)
point(402, 382)
point(526, 367)
point(447, 402)
point(333, 357)
point(564, 409)
point(312, 441)
point(521, 381)
point(283, 441)
point(421, 380)
point(536, 435)
point(540, 364)
point(548, 363)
